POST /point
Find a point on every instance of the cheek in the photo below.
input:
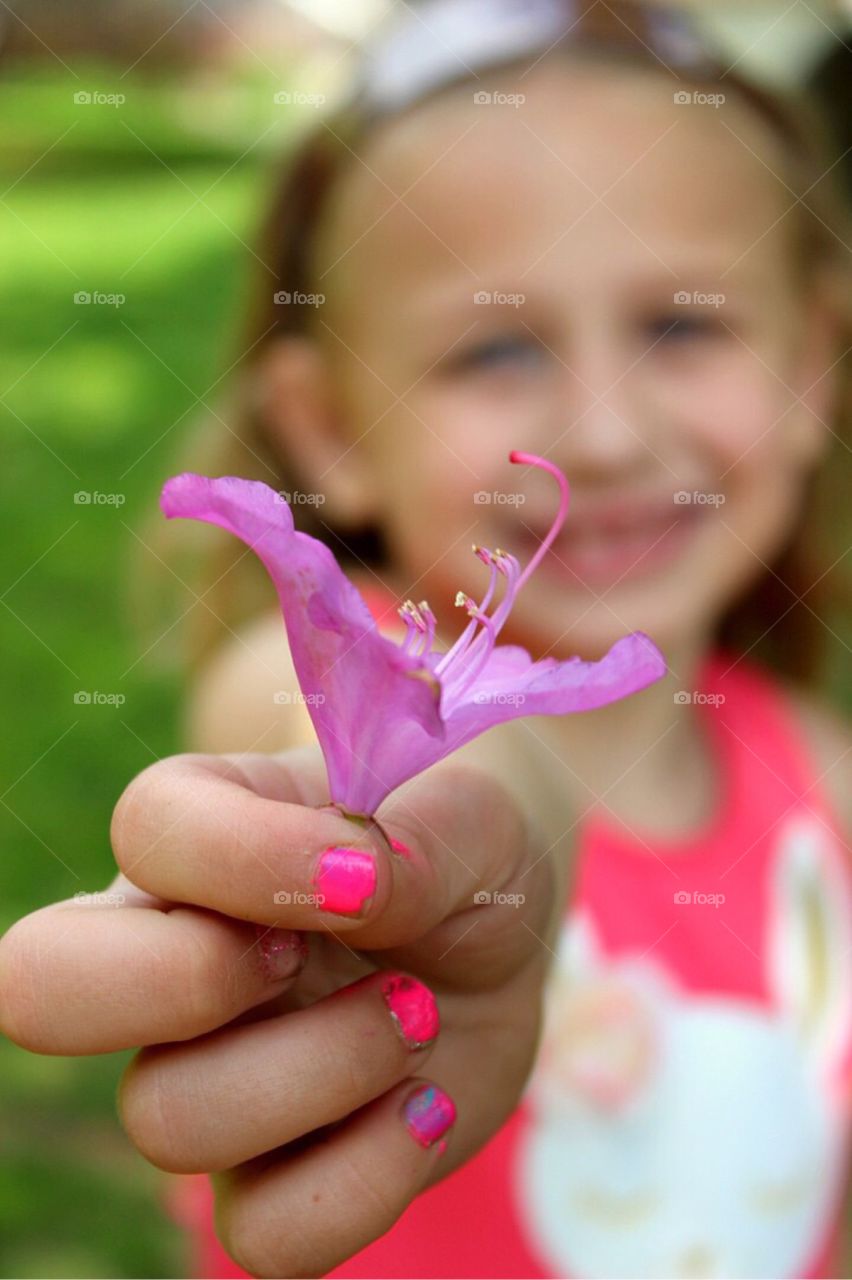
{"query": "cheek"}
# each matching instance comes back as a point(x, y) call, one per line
point(733, 414)
point(746, 428)
point(427, 487)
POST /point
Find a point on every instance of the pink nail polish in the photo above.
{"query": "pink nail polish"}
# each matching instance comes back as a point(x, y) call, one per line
point(412, 1008)
point(283, 952)
point(428, 1114)
point(346, 879)
point(402, 850)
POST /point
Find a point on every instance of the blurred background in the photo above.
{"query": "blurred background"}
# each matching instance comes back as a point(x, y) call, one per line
point(138, 142)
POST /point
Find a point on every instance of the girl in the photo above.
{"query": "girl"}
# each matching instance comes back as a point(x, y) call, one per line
point(572, 231)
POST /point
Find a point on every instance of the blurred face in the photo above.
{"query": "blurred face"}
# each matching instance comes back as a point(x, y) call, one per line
point(599, 275)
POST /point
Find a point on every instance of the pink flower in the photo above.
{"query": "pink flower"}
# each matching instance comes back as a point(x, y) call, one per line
point(384, 711)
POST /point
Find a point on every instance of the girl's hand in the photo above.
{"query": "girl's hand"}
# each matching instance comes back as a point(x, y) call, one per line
point(306, 1096)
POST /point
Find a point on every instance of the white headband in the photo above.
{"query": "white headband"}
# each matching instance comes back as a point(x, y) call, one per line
point(437, 42)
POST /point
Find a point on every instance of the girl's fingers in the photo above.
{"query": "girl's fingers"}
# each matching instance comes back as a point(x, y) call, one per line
point(195, 829)
point(309, 1212)
point(249, 1089)
point(98, 975)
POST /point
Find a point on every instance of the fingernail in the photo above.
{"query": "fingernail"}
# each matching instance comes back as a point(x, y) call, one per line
point(402, 850)
point(428, 1114)
point(283, 952)
point(346, 879)
point(413, 1010)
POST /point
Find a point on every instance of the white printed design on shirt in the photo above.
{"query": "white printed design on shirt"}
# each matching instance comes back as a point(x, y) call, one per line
point(684, 1135)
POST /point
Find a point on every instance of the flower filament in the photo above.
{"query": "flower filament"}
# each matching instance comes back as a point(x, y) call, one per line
point(460, 666)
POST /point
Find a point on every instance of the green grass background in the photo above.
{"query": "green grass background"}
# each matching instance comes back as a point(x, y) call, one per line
point(97, 198)
point(99, 398)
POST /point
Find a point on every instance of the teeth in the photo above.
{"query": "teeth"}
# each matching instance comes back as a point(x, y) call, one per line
point(590, 542)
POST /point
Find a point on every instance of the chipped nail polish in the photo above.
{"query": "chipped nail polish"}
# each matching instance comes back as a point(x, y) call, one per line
point(412, 1009)
point(345, 879)
point(428, 1113)
point(283, 952)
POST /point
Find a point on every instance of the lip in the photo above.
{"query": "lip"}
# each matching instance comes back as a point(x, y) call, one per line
point(612, 541)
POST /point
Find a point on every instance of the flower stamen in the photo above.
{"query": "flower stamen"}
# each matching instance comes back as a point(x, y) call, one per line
point(465, 660)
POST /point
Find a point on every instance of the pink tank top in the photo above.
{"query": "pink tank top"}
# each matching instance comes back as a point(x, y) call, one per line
point(688, 1113)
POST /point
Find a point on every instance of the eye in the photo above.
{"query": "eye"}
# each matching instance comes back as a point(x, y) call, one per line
point(677, 329)
point(615, 1210)
point(505, 351)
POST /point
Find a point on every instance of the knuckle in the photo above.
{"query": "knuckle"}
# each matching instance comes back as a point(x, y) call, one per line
point(24, 1010)
point(496, 823)
point(131, 815)
point(381, 1199)
point(208, 990)
point(151, 1113)
point(252, 1238)
point(143, 809)
point(16, 1007)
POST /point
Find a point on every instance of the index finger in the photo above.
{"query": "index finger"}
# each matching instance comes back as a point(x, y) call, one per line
point(236, 835)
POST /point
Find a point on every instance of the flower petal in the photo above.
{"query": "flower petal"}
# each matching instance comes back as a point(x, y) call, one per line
point(512, 685)
point(374, 708)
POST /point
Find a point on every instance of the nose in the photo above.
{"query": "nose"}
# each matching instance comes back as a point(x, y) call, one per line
point(603, 423)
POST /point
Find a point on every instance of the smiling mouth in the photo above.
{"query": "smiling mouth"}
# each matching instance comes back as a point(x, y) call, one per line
point(602, 551)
